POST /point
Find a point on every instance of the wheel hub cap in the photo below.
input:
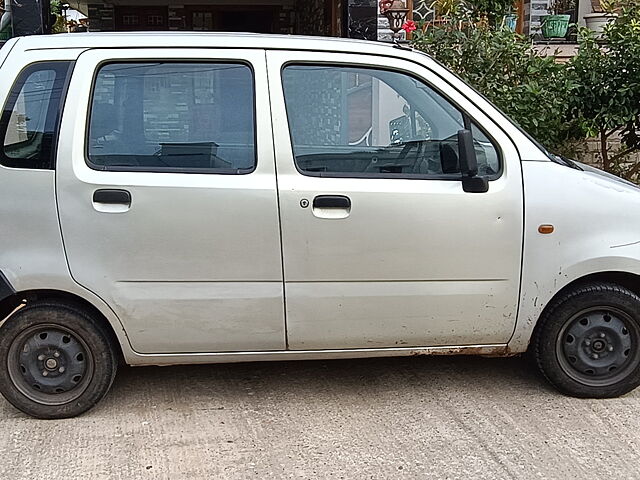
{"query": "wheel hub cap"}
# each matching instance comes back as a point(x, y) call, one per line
point(50, 365)
point(595, 346)
point(598, 346)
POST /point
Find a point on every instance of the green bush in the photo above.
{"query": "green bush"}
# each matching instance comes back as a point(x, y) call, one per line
point(56, 9)
point(492, 9)
point(607, 94)
point(532, 89)
point(595, 94)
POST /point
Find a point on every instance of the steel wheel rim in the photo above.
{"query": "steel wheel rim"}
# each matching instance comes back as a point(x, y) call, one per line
point(598, 346)
point(50, 364)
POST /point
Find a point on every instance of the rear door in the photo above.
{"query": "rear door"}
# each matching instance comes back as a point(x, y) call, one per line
point(167, 197)
point(382, 246)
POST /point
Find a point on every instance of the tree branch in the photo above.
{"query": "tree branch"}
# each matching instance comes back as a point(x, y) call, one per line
point(633, 171)
point(606, 165)
point(624, 153)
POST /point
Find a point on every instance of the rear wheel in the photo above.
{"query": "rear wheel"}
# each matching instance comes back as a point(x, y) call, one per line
point(55, 361)
point(588, 341)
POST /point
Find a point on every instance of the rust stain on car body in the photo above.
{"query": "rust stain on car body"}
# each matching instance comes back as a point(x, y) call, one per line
point(486, 351)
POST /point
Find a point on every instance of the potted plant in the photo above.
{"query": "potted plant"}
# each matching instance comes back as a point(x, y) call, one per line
point(556, 24)
point(603, 13)
point(510, 21)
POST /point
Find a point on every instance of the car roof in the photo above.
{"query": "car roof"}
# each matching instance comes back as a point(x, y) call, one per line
point(204, 40)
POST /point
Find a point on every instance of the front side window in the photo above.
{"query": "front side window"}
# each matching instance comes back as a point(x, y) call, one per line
point(347, 121)
point(173, 117)
point(29, 121)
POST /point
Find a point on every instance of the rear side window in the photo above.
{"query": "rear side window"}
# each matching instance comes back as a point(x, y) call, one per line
point(31, 116)
point(365, 122)
point(173, 117)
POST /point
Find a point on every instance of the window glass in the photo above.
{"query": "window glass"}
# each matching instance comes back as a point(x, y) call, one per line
point(30, 118)
point(184, 117)
point(366, 122)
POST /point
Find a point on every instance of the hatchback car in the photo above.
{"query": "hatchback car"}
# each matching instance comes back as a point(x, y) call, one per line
point(201, 198)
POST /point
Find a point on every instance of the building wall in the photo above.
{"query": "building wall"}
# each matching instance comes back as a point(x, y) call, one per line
point(311, 16)
point(347, 18)
point(177, 17)
point(107, 17)
point(101, 17)
point(589, 152)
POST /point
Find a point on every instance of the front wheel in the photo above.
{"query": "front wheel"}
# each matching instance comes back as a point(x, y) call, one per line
point(588, 341)
point(55, 361)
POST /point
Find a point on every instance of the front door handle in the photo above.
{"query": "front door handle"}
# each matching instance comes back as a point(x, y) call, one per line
point(109, 200)
point(332, 201)
point(331, 206)
point(112, 197)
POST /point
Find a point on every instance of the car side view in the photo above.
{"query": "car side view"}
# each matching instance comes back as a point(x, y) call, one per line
point(208, 198)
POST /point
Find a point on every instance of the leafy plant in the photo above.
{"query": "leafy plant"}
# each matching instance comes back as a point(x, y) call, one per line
point(492, 9)
point(608, 6)
point(596, 94)
point(533, 89)
point(607, 93)
point(559, 7)
point(447, 8)
point(57, 11)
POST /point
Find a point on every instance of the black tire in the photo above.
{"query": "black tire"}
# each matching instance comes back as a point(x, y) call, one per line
point(587, 343)
point(55, 360)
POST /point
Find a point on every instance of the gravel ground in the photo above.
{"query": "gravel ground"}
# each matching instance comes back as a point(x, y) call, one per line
point(427, 417)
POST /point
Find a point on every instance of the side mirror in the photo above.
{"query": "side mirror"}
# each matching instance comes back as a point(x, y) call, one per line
point(471, 182)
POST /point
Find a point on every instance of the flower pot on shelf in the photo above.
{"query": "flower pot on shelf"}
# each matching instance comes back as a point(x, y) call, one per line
point(510, 21)
point(555, 26)
point(597, 20)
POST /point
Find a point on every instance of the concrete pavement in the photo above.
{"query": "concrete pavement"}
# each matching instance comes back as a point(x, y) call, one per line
point(426, 417)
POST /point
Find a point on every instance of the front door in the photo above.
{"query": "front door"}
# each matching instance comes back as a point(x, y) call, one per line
point(382, 246)
point(167, 197)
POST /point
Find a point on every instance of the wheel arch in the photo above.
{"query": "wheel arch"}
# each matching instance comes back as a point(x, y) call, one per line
point(630, 281)
point(525, 330)
point(12, 303)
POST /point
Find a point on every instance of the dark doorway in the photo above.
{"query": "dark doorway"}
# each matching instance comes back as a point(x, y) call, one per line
point(232, 19)
point(256, 21)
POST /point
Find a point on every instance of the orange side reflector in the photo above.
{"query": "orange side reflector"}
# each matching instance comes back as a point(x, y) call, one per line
point(545, 229)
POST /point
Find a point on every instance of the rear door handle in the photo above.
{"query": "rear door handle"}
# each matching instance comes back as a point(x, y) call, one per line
point(332, 201)
point(112, 197)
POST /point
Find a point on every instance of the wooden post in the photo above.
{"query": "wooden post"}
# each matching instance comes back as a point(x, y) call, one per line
point(410, 16)
point(520, 12)
point(335, 27)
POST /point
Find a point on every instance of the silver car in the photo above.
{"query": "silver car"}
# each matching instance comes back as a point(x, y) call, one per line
point(201, 198)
